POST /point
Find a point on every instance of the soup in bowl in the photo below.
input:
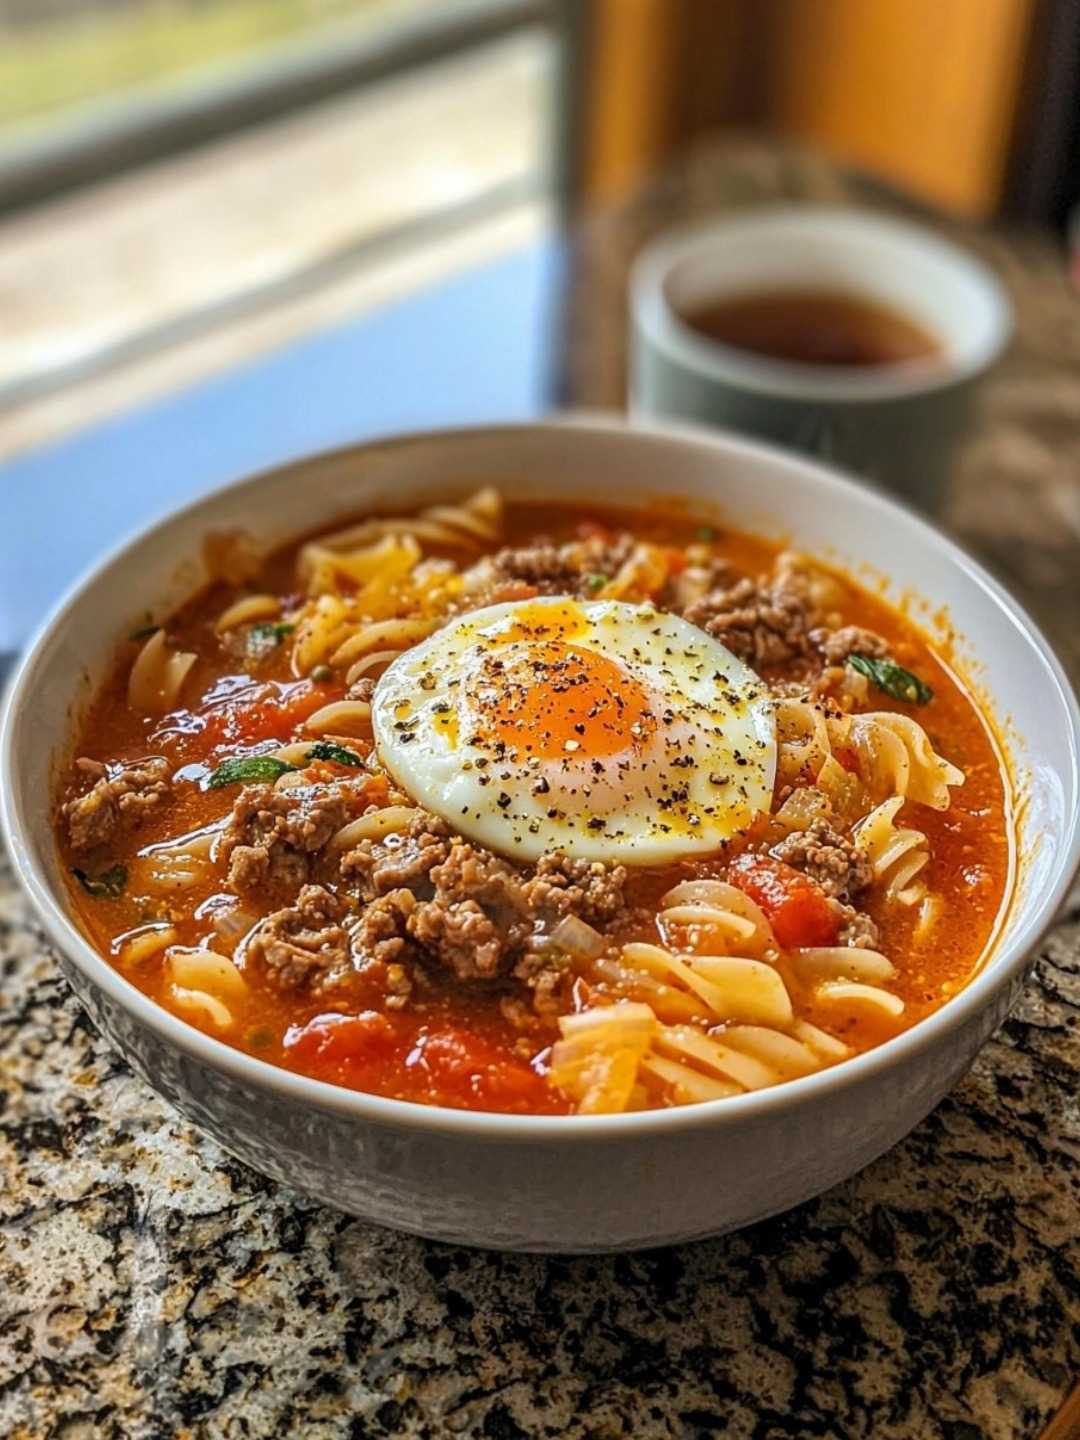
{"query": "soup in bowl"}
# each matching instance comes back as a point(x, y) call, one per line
point(569, 874)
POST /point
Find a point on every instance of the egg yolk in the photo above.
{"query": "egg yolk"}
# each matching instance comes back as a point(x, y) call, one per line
point(554, 699)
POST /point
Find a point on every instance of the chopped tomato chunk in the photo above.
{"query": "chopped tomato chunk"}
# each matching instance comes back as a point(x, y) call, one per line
point(342, 1048)
point(800, 912)
point(463, 1068)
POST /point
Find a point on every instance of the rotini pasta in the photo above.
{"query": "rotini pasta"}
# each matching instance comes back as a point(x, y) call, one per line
point(157, 676)
point(373, 826)
point(246, 610)
point(204, 981)
point(898, 855)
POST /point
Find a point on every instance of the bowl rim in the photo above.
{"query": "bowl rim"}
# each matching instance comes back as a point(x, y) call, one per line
point(1011, 950)
point(784, 380)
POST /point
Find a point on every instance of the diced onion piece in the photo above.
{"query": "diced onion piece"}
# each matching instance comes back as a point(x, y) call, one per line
point(577, 938)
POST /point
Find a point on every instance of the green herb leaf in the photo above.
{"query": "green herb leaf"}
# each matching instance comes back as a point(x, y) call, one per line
point(144, 632)
point(263, 638)
point(596, 582)
point(246, 768)
point(326, 750)
point(109, 885)
point(705, 533)
point(901, 684)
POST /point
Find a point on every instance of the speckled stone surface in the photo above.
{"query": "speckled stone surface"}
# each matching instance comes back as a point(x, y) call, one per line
point(150, 1286)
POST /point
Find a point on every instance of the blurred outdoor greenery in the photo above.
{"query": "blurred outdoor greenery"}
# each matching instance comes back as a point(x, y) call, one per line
point(91, 50)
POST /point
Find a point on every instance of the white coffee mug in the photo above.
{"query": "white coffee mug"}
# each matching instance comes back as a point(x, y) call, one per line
point(893, 424)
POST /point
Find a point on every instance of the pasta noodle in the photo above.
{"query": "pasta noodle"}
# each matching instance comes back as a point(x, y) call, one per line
point(373, 826)
point(732, 988)
point(896, 757)
point(596, 1061)
point(720, 912)
point(848, 972)
point(640, 577)
point(473, 519)
point(158, 676)
point(897, 855)
point(347, 717)
point(243, 612)
point(803, 744)
point(398, 634)
point(145, 943)
point(202, 980)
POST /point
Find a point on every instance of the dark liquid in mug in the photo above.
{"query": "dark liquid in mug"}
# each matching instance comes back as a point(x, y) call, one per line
point(814, 327)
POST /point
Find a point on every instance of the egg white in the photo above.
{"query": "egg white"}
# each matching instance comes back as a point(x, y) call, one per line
point(700, 769)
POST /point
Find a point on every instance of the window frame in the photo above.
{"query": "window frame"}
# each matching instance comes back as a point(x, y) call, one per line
point(138, 132)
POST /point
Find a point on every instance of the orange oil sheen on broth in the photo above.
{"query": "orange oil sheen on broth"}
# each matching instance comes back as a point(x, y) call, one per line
point(454, 1045)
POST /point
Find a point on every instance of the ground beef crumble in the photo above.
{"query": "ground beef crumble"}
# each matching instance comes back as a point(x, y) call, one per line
point(572, 568)
point(828, 858)
point(837, 645)
point(273, 835)
point(124, 798)
point(437, 899)
point(856, 928)
point(305, 943)
point(763, 623)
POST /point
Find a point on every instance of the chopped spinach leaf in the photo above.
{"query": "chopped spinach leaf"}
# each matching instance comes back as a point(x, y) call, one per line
point(109, 885)
point(326, 750)
point(246, 768)
point(144, 632)
point(596, 582)
point(901, 684)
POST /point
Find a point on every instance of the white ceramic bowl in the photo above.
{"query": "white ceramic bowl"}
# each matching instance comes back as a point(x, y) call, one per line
point(557, 1183)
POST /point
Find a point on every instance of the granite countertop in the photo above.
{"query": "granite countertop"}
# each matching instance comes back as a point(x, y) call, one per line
point(152, 1286)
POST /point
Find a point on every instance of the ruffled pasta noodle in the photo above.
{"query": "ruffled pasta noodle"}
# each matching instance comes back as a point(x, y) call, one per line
point(146, 943)
point(721, 914)
point(387, 821)
point(897, 854)
point(247, 610)
point(158, 676)
point(382, 635)
point(728, 979)
point(803, 742)
point(376, 570)
point(896, 758)
point(201, 980)
point(847, 974)
point(609, 1059)
point(596, 1061)
point(180, 863)
point(346, 717)
point(471, 521)
point(641, 576)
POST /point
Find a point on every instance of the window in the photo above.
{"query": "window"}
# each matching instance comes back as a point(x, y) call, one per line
point(242, 169)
